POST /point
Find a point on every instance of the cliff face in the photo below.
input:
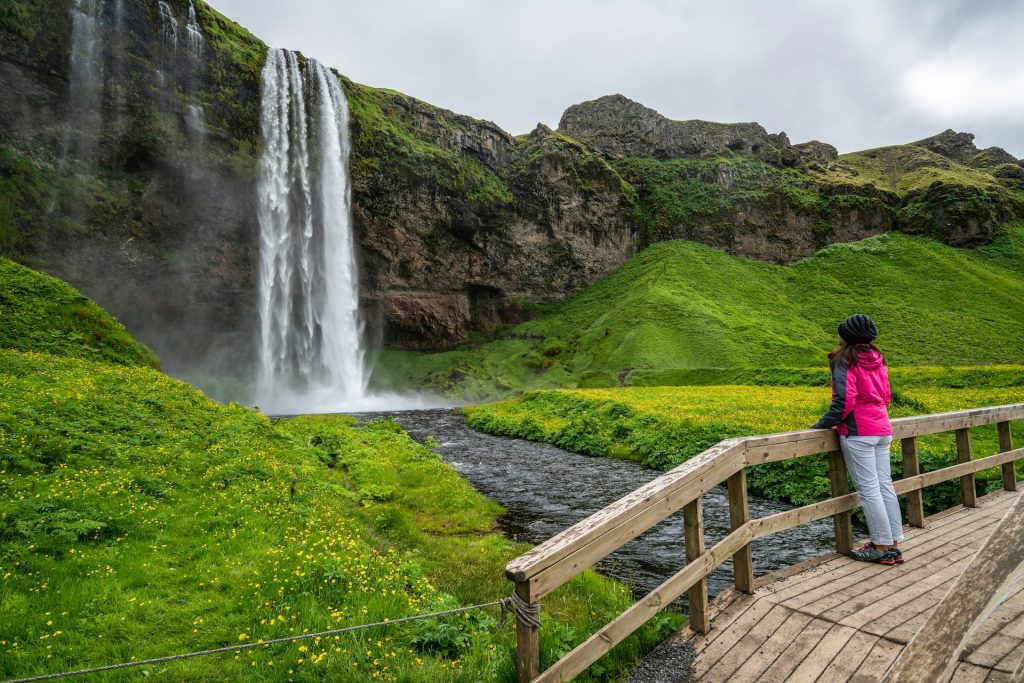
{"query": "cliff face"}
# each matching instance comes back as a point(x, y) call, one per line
point(461, 225)
point(128, 159)
point(127, 167)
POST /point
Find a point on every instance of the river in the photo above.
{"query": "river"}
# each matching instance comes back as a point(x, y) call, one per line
point(545, 489)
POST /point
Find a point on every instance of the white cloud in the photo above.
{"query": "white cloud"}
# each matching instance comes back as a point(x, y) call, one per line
point(958, 88)
point(857, 75)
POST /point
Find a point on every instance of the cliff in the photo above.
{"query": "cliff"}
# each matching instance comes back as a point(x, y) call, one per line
point(127, 168)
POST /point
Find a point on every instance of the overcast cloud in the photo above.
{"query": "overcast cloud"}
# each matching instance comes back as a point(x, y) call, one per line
point(855, 74)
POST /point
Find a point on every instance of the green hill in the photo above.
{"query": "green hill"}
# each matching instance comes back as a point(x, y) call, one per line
point(681, 305)
point(41, 313)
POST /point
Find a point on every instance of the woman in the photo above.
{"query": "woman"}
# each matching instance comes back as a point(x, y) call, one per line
point(860, 398)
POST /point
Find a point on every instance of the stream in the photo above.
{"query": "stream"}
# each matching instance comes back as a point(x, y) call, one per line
point(545, 489)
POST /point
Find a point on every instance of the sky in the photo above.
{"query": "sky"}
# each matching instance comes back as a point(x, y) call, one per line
point(857, 74)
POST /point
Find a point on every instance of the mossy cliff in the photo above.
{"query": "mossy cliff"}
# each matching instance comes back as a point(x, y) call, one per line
point(146, 200)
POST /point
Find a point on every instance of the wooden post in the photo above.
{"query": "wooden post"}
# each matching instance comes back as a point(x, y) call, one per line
point(693, 533)
point(911, 467)
point(1006, 444)
point(739, 514)
point(840, 487)
point(527, 643)
point(963, 454)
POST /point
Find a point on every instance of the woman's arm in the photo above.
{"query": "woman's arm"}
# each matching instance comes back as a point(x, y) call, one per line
point(844, 395)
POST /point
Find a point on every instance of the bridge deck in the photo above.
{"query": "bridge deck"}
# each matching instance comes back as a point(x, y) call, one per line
point(834, 619)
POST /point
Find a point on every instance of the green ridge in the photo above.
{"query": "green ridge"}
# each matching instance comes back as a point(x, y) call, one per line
point(41, 313)
point(683, 306)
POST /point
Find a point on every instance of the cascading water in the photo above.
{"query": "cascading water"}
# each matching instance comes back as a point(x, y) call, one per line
point(311, 355)
point(169, 24)
point(86, 82)
point(192, 30)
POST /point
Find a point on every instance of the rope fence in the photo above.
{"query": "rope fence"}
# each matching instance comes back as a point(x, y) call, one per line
point(528, 613)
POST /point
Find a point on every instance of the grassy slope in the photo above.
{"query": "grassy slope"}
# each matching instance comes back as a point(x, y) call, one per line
point(138, 519)
point(680, 305)
point(41, 313)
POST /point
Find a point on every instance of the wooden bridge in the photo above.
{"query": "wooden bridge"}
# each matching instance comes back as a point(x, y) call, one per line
point(954, 611)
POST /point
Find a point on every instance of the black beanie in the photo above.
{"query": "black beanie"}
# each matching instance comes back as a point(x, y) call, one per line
point(858, 329)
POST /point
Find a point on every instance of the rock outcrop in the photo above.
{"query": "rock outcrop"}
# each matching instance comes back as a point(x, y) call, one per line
point(619, 127)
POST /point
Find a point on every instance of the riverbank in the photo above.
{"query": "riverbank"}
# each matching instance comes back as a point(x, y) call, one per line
point(662, 427)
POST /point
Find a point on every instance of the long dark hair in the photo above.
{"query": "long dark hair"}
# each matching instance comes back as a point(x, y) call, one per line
point(849, 354)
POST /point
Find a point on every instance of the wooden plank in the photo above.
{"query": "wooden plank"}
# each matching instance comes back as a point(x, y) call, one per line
point(625, 510)
point(936, 423)
point(819, 659)
point(797, 648)
point(739, 514)
point(954, 471)
point(846, 663)
point(997, 636)
point(693, 533)
point(885, 593)
point(846, 594)
point(968, 673)
point(878, 660)
point(753, 612)
point(527, 645)
point(834, 590)
point(1018, 672)
point(780, 521)
point(585, 555)
point(770, 447)
point(840, 487)
point(635, 616)
point(1006, 444)
point(788, 445)
point(963, 455)
point(911, 467)
point(936, 644)
point(749, 645)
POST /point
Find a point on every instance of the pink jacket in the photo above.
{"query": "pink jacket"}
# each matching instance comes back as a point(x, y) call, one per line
point(860, 398)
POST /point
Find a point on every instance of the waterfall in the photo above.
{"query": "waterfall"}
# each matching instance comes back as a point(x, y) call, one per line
point(169, 24)
point(85, 89)
point(195, 35)
point(310, 352)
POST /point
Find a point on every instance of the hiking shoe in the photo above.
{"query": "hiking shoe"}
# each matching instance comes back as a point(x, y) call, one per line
point(868, 545)
point(871, 554)
point(892, 556)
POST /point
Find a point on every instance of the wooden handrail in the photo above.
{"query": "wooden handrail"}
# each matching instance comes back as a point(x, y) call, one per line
point(555, 561)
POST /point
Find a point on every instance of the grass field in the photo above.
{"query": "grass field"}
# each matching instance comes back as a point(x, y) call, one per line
point(140, 519)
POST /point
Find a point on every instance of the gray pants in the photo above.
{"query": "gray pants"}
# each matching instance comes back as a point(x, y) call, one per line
point(867, 458)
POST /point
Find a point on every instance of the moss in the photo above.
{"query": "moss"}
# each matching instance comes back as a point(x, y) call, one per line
point(41, 313)
point(389, 138)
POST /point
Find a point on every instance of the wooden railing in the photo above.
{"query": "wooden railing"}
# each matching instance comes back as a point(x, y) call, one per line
point(554, 562)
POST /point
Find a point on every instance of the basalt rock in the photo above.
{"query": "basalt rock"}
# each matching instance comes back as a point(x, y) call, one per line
point(619, 127)
point(950, 144)
point(816, 152)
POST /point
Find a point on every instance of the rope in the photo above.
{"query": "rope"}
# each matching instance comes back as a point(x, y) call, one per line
point(524, 610)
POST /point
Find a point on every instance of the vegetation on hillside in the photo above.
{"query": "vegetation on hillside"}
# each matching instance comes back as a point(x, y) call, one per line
point(680, 306)
point(665, 426)
point(140, 519)
point(41, 313)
